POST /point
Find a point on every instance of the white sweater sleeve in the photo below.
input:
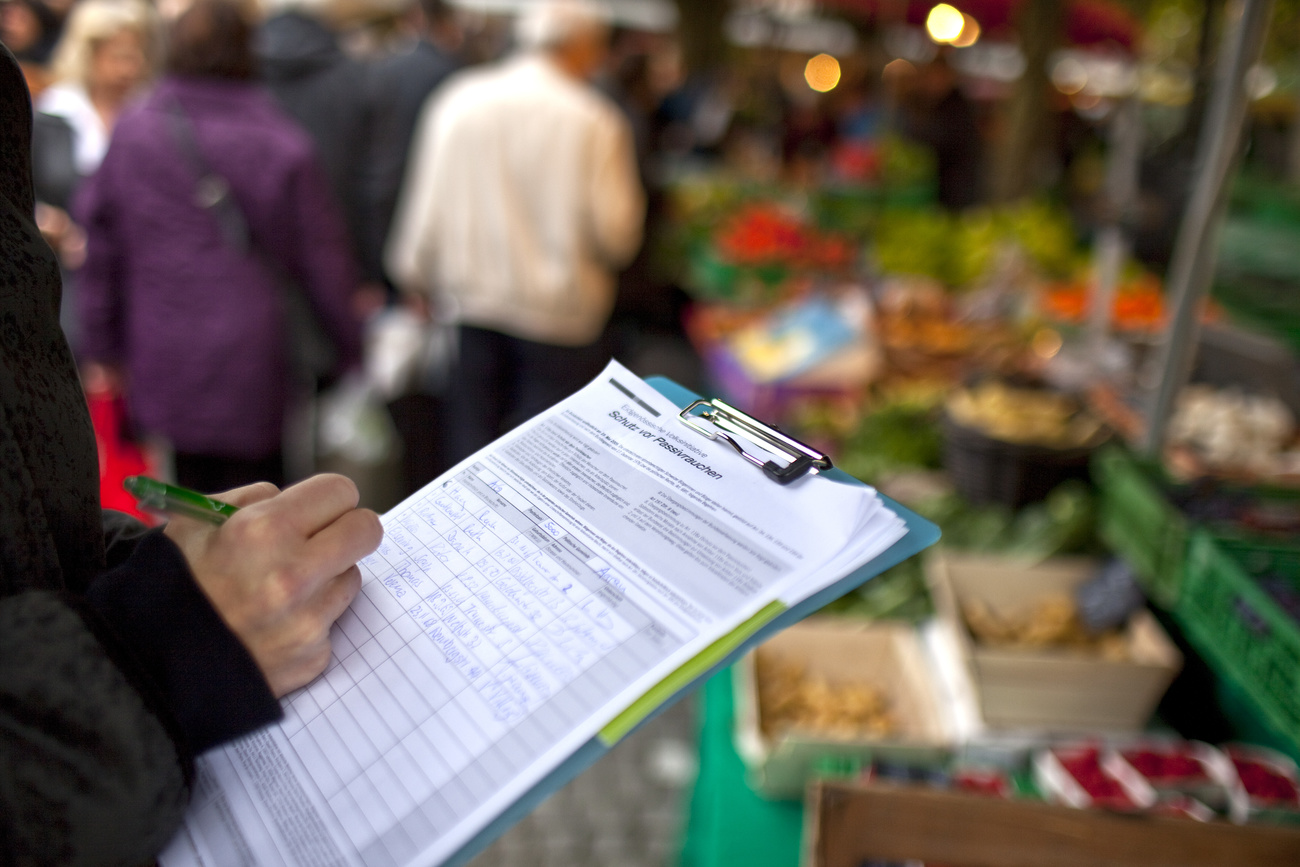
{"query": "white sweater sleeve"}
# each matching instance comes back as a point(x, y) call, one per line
point(408, 252)
point(615, 199)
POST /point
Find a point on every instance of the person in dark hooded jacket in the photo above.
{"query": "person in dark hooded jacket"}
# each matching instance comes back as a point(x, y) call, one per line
point(403, 84)
point(332, 96)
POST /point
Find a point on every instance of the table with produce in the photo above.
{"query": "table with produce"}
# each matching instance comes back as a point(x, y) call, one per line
point(1082, 598)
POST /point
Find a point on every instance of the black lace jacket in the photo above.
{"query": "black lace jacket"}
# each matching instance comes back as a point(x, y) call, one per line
point(114, 669)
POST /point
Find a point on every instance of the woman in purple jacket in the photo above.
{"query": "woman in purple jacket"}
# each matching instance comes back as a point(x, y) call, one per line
point(192, 326)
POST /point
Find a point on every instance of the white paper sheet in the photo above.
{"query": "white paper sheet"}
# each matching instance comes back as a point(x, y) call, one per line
point(517, 605)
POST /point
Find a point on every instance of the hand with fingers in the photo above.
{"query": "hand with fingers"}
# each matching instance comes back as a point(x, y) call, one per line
point(283, 569)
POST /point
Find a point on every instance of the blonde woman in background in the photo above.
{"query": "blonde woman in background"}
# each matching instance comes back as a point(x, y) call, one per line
point(107, 54)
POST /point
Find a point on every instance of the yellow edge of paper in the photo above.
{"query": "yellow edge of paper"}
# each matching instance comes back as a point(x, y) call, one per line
point(617, 728)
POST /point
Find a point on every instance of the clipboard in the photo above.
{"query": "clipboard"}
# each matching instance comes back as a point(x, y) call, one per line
point(921, 534)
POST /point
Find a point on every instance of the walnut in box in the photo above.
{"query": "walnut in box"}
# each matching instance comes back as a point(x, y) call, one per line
point(1053, 689)
point(888, 657)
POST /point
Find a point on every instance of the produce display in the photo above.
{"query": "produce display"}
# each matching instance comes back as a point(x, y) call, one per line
point(1060, 524)
point(899, 435)
point(1230, 433)
point(990, 782)
point(1076, 776)
point(1027, 416)
point(915, 331)
point(895, 594)
point(790, 698)
point(962, 250)
point(928, 334)
point(1138, 306)
point(1182, 772)
point(1052, 622)
point(1165, 767)
point(953, 306)
point(764, 234)
point(752, 255)
point(1268, 778)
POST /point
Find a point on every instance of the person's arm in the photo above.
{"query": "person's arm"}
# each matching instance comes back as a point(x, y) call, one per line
point(219, 621)
point(105, 699)
point(283, 569)
point(161, 628)
point(407, 259)
point(615, 199)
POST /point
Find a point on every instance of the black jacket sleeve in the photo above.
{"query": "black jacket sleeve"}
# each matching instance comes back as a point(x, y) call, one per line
point(153, 618)
point(104, 702)
point(88, 773)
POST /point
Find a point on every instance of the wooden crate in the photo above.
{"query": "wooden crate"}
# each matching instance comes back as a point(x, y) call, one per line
point(886, 656)
point(849, 824)
point(1049, 689)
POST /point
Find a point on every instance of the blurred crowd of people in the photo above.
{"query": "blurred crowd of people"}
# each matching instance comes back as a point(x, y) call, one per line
point(238, 192)
point(228, 191)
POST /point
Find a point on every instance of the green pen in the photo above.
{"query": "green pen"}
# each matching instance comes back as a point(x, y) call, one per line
point(159, 496)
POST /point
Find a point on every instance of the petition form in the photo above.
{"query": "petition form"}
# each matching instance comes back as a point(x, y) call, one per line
point(517, 605)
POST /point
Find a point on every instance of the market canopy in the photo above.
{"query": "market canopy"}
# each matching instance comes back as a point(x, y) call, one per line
point(651, 15)
point(1087, 22)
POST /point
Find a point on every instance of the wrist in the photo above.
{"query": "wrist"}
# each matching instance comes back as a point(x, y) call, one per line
point(202, 673)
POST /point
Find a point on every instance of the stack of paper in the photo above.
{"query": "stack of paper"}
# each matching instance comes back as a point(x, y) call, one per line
point(518, 606)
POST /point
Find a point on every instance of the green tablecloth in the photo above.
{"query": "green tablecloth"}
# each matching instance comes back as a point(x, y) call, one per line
point(727, 823)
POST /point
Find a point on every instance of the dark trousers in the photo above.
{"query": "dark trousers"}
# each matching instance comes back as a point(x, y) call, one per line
point(421, 421)
point(502, 380)
point(210, 474)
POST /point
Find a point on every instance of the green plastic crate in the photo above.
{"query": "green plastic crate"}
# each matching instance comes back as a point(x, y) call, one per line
point(1138, 523)
point(1258, 270)
point(1239, 628)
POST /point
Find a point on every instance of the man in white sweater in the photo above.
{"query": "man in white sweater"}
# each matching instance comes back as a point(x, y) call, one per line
point(521, 200)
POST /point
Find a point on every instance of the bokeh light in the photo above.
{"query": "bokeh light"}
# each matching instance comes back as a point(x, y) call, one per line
point(970, 33)
point(944, 23)
point(1046, 343)
point(1069, 75)
point(897, 69)
point(822, 73)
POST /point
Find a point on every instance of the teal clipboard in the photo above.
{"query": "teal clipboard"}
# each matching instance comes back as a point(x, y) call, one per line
point(921, 534)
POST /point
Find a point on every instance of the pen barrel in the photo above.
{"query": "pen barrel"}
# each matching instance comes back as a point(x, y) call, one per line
point(157, 496)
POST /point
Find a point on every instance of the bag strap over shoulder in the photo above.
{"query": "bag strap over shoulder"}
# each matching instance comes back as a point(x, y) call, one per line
point(314, 350)
point(211, 191)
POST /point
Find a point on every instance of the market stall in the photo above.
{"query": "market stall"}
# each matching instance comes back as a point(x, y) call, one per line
point(1110, 623)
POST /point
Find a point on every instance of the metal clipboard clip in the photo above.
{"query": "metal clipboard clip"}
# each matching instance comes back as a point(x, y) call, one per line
point(726, 423)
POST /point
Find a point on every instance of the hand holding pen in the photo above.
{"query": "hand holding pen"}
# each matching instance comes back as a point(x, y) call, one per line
point(278, 566)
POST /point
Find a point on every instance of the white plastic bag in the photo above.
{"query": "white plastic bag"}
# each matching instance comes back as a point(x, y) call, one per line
point(355, 424)
point(405, 354)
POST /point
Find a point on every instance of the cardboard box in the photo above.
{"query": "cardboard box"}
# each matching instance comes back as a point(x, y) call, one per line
point(885, 656)
point(849, 824)
point(1051, 689)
